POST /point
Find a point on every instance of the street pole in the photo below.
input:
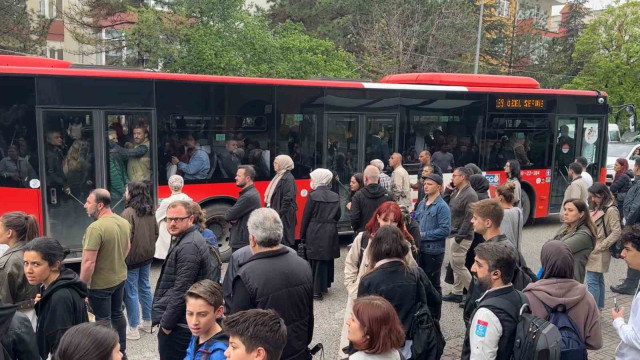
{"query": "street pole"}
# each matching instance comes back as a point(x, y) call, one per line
point(475, 65)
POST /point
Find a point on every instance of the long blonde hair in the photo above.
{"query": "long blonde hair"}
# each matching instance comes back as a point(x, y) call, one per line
point(73, 161)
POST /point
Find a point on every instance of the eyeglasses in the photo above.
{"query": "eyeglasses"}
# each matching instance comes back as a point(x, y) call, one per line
point(455, 175)
point(177, 219)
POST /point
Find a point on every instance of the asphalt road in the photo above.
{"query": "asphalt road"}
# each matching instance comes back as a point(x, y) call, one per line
point(329, 312)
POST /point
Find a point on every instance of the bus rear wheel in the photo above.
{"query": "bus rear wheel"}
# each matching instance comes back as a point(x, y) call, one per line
point(220, 227)
point(526, 207)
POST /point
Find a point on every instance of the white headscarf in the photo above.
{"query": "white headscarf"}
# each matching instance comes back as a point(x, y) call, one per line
point(320, 177)
point(285, 163)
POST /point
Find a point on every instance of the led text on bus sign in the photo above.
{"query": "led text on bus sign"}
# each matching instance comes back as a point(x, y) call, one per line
point(520, 103)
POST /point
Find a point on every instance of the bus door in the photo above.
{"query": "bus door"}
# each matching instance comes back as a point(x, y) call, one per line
point(128, 149)
point(575, 136)
point(352, 141)
point(566, 140)
point(69, 172)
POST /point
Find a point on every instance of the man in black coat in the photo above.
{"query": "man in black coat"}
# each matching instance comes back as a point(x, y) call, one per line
point(188, 261)
point(275, 278)
point(365, 202)
point(238, 214)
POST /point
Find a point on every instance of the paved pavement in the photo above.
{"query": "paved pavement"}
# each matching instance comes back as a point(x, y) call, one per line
point(329, 313)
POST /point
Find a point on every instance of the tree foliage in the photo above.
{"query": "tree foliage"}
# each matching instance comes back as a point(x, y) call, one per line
point(21, 30)
point(389, 36)
point(609, 48)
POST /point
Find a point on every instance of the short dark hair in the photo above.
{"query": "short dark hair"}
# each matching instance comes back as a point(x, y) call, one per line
point(499, 256)
point(49, 250)
point(207, 290)
point(248, 171)
point(182, 203)
point(488, 209)
point(464, 171)
point(389, 242)
point(582, 161)
point(631, 236)
point(90, 340)
point(102, 196)
point(258, 328)
point(637, 163)
point(576, 168)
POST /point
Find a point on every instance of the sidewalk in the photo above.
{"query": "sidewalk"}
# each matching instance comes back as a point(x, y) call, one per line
point(610, 338)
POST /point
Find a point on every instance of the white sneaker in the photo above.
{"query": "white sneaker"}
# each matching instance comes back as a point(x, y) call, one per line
point(146, 327)
point(133, 334)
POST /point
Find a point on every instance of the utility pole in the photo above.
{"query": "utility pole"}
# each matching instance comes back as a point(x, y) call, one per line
point(475, 65)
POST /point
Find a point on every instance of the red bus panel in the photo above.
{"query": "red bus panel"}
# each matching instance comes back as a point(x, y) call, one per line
point(19, 199)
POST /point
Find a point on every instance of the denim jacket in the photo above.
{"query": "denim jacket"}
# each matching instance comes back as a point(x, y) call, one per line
point(435, 225)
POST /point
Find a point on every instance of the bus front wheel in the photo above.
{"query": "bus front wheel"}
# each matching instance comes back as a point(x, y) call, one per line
point(220, 227)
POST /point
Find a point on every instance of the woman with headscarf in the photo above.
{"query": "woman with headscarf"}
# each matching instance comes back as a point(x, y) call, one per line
point(621, 182)
point(558, 287)
point(319, 230)
point(176, 182)
point(281, 197)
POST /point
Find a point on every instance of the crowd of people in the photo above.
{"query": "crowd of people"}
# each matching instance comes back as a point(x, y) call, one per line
point(263, 306)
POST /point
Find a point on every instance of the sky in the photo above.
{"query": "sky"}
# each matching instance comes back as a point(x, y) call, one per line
point(592, 4)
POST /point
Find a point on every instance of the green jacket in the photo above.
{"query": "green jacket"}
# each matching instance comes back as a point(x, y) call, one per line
point(580, 241)
point(117, 176)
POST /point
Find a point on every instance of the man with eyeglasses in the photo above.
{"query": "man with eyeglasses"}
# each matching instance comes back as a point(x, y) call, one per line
point(187, 262)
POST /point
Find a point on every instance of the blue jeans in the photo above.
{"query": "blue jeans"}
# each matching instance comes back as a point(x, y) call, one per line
point(595, 284)
point(106, 305)
point(137, 289)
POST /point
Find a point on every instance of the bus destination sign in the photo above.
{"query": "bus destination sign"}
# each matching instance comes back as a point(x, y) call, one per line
point(520, 103)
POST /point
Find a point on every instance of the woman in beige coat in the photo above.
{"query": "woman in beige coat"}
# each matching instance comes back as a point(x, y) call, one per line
point(357, 262)
point(606, 218)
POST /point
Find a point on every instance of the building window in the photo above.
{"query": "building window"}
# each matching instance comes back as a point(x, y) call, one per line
point(42, 7)
point(503, 8)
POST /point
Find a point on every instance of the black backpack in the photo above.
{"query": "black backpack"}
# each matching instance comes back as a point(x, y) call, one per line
point(536, 339)
point(573, 346)
point(428, 341)
point(364, 242)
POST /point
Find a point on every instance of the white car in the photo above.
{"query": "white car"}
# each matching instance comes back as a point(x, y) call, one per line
point(619, 150)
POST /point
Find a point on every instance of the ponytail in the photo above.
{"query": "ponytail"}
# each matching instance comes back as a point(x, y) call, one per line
point(24, 225)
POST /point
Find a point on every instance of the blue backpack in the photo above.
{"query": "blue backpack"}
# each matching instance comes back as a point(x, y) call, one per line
point(573, 346)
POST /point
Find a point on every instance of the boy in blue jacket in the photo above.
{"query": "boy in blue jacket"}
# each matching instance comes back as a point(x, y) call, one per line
point(204, 308)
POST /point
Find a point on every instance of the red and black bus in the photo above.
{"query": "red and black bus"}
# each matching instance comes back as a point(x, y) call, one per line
point(55, 120)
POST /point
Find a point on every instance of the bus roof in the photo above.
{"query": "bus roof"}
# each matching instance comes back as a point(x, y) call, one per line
point(11, 64)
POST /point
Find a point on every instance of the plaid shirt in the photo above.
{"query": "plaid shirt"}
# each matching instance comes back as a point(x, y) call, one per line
point(385, 181)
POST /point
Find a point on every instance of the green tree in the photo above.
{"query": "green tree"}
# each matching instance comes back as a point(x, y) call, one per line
point(232, 42)
point(389, 36)
point(609, 49)
point(22, 31)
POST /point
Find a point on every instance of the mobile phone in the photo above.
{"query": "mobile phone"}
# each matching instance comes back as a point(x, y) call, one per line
point(615, 304)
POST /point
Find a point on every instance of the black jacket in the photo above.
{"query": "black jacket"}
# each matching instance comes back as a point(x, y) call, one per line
point(475, 291)
point(282, 281)
point(319, 229)
point(62, 306)
point(398, 284)
point(621, 186)
point(508, 320)
point(413, 227)
point(238, 257)
point(364, 203)
point(283, 201)
point(238, 215)
point(18, 339)
point(188, 261)
point(480, 184)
